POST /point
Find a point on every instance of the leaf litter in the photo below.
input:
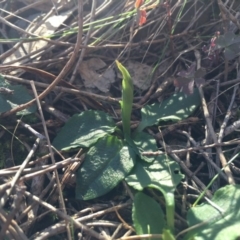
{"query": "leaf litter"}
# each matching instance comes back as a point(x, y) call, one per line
point(96, 74)
point(141, 34)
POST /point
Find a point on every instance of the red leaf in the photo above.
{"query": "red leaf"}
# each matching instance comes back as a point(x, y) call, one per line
point(138, 3)
point(142, 18)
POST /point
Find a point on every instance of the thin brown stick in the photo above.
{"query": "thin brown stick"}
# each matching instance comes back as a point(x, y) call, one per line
point(91, 215)
point(65, 217)
point(17, 175)
point(64, 71)
point(191, 149)
point(205, 155)
point(186, 170)
point(228, 114)
point(215, 140)
point(228, 14)
point(11, 215)
point(7, 185)
point(43, 193)
point(3, 20)
point(23, 9)
point(13, 228)
point(62, 204)
point(80, 59)
point(39, 170)
point(210, 126)
point(67, 90)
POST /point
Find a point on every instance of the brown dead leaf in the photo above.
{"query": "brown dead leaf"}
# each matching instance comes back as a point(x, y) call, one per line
point(140, 74)
point(95, 75)
point(46, 29)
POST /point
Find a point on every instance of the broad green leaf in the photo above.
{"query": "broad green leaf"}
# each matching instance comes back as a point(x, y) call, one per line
point(230, 42)
point(214, 224)
point(127, 99)
point(232, 51)
point(145, 142)
point(226, 40)
point(223, 41)
point(163, 174)
point(106, 164)
point(19, 96)
point(147, 215)
point(176, 108)
point(83, 130)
